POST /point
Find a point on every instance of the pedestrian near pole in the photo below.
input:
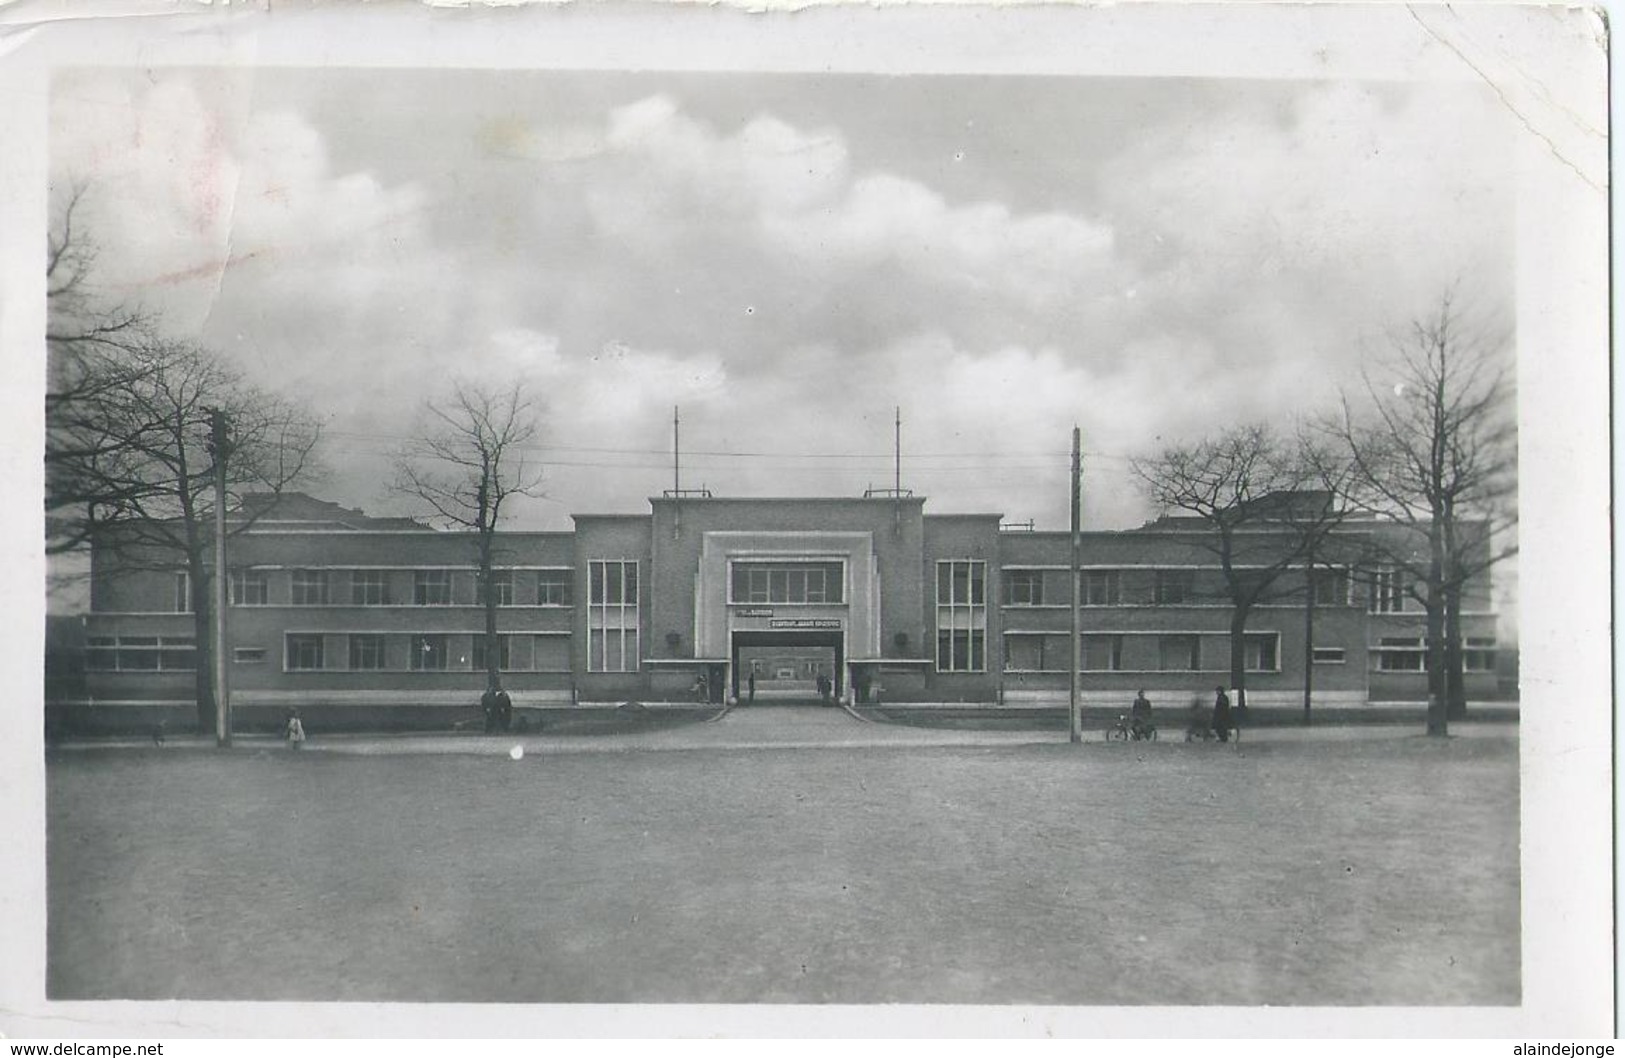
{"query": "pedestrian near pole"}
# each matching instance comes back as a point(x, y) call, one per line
point(1074, 717)
point(220, 449)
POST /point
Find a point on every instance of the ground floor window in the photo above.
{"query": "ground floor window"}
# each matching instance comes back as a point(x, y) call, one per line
point(367, 652)
point(961, 650)
point(1102, 653)
point(141, 654)
point(1401, 654)
point(304, 652)
point(1262, 651)
point(504, 653)
point(1179, 653)
point(431, 653)
point(1478, 654)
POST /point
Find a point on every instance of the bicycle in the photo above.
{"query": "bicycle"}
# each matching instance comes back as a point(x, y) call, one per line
point(1123, 731)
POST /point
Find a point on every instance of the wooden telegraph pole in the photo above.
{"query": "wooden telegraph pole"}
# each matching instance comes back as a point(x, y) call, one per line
point(1075, 718)
point(222, 692)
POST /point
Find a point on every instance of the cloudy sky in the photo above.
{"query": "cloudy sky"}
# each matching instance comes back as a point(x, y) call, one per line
point(788, 258)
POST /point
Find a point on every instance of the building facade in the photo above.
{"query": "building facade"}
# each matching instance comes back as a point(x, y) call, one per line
point(333, 609)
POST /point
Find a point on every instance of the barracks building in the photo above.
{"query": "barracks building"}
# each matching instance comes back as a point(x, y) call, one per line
point(381, 618)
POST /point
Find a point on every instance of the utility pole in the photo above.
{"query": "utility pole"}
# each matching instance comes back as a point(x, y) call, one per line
point(220, 448)
point(1074, 717)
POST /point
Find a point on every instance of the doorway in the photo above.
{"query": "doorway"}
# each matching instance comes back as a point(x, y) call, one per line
point(789, 667)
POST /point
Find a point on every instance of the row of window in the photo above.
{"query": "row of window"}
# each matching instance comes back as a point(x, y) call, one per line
point(1179, 587)
point(786, 582)
point(413, 652)
point(379, 587)
point(1105, 652)
point(1410, 654)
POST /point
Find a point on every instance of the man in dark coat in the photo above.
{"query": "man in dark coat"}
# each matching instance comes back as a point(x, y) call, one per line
point(1221, 715)
point(488, 706)
point(504, 706)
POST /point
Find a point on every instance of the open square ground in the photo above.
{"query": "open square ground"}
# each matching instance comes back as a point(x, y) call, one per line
point(1377, 870)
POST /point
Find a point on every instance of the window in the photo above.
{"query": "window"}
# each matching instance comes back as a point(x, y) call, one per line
point(612, 616)
point(1174, 587)
point(1023, 587)
point(504, 653)
point(431, 587)
point(1330, 656)
point(369, 587)
point(1263, 651)
point(1399, 654)
point(787, 582)
point(248, 655)
point(1029, 653)
point(1478, 654)
point(367, 652)
point(1102, 653)
point(502, 584)
point(1100, 587)
point(553, 587)
point(249, 587)
point(431, 653)
point(310, 587)
point(182, 601)
point(1181, 653)
point(1388, 591)
point(304, 652)
point(141, 654)
point(1331, 587)
point(961, 615)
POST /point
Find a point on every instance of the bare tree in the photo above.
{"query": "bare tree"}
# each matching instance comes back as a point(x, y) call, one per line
point(467, 461)
point(96, 346)
point(1433, 447)
point(1261, 504)
point(146, 469)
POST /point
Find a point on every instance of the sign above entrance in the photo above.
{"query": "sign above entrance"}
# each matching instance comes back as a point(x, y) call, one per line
point(805, 622)
point(754, 611)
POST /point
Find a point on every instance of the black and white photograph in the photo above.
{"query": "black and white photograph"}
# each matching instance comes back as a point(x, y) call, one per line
point(1055, 520)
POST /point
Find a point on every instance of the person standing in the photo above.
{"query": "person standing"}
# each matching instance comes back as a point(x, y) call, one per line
point(1140, 716)
point(752, 686)
point(295, 733)
point(488, 706)
point(504, 709)
point(1221, 715)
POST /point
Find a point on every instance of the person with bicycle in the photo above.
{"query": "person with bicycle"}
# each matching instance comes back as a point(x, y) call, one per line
point(1140, 726)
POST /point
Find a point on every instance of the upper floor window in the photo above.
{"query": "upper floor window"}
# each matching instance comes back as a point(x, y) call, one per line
point(181, 602)
point(310, 587)
point(249, 587)
point(369, 587)
point(431, 587)
point(1388, 588)
point(961, 582)
point(1100, 587)
point(613, 583)
point(553, 587)
point(787, 582)
point(1023, 587)
point(141, 654)
point(1331, 587)
point(501, 587)
point(1175, 587)
point(1179, 653)
point(367, 652)
point(613, 632)
point(1263, 651)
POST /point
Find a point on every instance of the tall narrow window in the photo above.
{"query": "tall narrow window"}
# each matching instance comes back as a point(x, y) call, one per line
point(961, 615)
point(182, 602)
point(1263, 651)
point(612, 616)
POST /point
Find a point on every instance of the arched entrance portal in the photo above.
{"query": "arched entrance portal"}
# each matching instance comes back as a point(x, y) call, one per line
point(787, 665)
